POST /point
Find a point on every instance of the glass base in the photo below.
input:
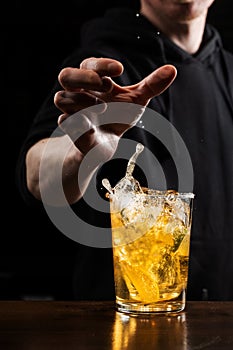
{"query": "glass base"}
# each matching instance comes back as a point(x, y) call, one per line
point(160, 307)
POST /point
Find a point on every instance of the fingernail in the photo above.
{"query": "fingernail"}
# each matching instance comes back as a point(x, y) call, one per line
point(114, 68)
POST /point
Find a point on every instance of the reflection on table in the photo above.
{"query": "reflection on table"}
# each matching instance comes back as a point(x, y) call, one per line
point(60, 325)
point(158, 332)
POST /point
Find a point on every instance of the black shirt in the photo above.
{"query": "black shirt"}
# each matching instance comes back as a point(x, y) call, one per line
point(199, 104)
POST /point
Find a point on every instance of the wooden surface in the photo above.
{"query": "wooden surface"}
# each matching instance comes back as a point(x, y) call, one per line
point(48, 325)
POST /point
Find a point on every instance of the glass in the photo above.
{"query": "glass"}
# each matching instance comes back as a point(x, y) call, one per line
point(151, 239)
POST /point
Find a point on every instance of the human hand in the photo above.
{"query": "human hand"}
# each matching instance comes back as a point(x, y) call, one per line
point(92, 85)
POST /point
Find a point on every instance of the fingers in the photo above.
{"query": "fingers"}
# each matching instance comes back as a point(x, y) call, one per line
point(91, 75)
point(93, 79)
point(157, 82)
point(71, 102)
point(74, 79)
point(103, 66)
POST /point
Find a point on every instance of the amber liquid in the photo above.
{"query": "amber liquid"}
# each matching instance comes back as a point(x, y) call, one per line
point(151, 264)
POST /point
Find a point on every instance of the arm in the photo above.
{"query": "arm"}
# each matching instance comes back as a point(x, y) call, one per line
point(83, 88)
point(51, 159)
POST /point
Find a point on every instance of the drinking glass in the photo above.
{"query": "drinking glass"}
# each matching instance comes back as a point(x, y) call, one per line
point(151, 240)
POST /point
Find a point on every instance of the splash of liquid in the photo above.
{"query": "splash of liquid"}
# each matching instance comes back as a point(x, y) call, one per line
point(127, 183)
point(132, 160)
point(107, 185)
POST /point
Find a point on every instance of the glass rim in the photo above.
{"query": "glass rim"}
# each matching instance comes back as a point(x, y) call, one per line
point(182, 195)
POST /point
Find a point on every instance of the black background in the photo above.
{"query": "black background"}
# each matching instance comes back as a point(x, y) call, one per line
point(36, 261)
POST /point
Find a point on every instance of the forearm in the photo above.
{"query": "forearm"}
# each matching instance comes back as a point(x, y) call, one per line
point(52, 164)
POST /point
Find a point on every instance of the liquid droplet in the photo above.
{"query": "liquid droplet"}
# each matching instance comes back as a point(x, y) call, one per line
point(107, 185)
point(132, 160)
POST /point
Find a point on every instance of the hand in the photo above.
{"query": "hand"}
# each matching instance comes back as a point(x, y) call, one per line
point(91, 84)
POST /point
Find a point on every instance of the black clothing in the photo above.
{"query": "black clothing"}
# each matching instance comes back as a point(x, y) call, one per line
point(200, 106)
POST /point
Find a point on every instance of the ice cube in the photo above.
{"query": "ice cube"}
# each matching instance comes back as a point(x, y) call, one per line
point(143, 210)
point(177, 206)
point(127, 185)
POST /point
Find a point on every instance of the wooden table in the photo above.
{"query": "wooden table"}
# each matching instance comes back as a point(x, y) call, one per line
point(48, 325)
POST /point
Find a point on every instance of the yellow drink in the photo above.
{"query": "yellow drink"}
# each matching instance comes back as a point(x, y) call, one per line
point(151, 238)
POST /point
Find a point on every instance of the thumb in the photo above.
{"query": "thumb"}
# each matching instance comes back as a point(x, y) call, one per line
point(156, 82)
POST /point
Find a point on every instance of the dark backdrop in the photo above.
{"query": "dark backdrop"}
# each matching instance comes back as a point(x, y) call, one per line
point(36, 261)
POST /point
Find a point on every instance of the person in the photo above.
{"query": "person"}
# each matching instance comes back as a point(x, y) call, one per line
point(165, 57)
